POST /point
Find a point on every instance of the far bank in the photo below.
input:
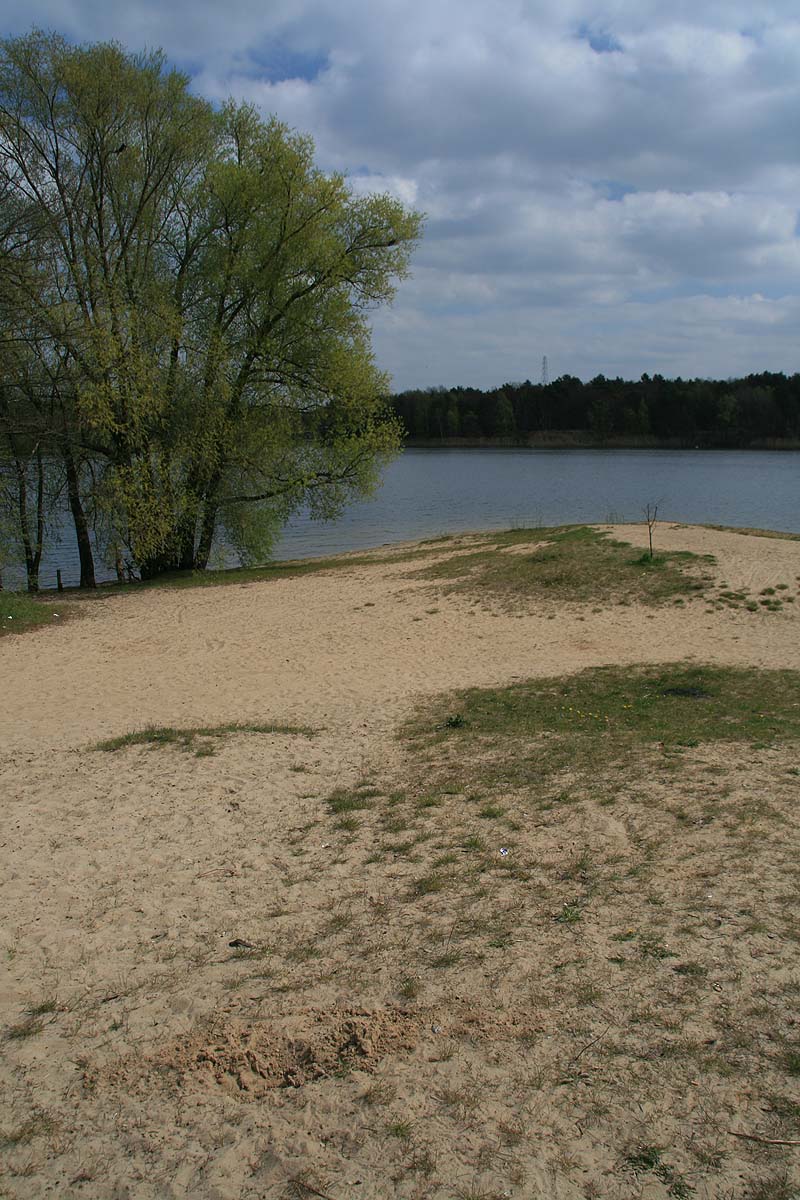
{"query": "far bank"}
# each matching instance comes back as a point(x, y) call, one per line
point(584, 439)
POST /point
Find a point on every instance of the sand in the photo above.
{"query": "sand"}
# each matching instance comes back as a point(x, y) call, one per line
point(127, 875)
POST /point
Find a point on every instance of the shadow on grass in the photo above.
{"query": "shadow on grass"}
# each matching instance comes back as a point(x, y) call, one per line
point(603, 714)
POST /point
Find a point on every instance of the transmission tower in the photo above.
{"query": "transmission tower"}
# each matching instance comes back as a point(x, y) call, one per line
point(545, 377)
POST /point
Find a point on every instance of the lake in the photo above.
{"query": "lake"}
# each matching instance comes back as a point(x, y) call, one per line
point(430, 492)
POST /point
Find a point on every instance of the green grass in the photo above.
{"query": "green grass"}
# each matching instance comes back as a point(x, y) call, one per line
point(570, 914)
point(429, 885)
point(43, 1007)
point(20, 612)
point(578, 564)
point(600, 715)
point(186, 739)
point(691, 970)
point(342, 801)
point(26, 1028)
point(409, 987)
point(234, 575)
point(648, 1159)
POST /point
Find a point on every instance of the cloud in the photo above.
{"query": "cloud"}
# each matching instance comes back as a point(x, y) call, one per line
point(699, 336)
point(609, 182)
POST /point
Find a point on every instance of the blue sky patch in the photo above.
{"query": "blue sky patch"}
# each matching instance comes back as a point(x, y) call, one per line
point(600, 40)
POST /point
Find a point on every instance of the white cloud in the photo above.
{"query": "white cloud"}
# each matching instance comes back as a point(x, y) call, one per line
point(693, 336)
point(403, 189)
point(611, 182)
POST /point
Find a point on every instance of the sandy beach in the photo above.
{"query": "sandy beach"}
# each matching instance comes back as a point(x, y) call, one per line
point(130, 877)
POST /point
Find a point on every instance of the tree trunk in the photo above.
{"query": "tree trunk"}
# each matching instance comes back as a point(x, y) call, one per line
point(207, 528)
point(187, 548)
point(79, 519)
point(33, 574)
point(31, 546)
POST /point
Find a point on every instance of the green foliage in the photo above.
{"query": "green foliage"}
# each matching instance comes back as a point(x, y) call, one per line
point(644, 412)
point(201, 290)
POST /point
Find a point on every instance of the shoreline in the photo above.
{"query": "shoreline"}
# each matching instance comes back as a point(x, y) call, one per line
point(360, 628)
point(240, 574)
point(578, 440)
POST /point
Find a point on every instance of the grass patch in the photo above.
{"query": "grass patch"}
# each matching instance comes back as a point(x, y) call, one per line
point(570, 914)
point(409, 987)
point(791, 1062)
point(647, 1159)
point(186, 739)
point(601, 715)
point(28, 1027)
point(691, 970)
point(342, 801)
point(20, 612)
point(43, 1008)
point(576, 564)
point(429, 885)
point(774, 1187)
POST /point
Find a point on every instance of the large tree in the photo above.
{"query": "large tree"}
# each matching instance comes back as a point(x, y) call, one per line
point(199, 291)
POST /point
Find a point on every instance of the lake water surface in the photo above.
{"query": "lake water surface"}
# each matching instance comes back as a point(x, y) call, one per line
point(431, 492)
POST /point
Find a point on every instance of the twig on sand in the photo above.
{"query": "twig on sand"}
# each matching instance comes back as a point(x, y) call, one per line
point(764, 1141)
point(306, 1187)
point(589, 1045)
point(571, 1078)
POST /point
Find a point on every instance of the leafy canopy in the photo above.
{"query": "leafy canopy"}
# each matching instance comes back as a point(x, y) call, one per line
point(202, 292)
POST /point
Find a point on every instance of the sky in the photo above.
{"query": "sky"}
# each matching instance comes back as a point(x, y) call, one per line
point(614, 184)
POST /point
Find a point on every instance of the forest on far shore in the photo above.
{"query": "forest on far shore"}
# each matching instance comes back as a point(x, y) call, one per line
point(756, 411)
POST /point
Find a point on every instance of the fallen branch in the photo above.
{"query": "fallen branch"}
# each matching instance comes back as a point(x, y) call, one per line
point(764, 1141)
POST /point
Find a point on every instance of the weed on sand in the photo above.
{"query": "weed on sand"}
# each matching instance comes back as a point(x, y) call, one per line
point(187, 739)
point(596, 883)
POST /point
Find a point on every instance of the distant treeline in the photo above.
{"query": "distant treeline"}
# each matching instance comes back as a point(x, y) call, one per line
point(757, 410)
